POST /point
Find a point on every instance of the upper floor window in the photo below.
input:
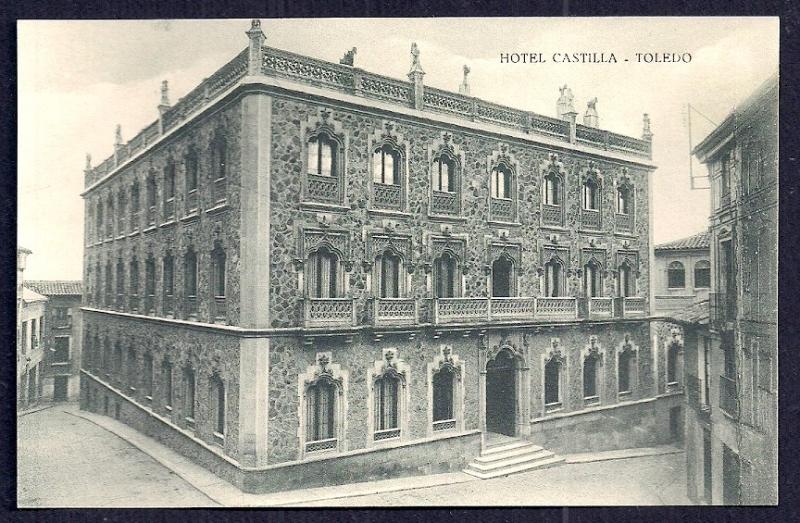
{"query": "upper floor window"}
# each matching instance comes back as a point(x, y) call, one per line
point(218, 271)
point(445, 197)
point(150, 283)
point(626, 281)
point(151, 198)
point(168, 276)
point(552, 189)
point(135, 204)
point(169, 191)
point(219, 164)
point(190, 274)
point(502, 277)
point(554, 282)
point(192, 179)
point(702, 274)
point(676, 275)
point(323, 274)
point(623, 200)
point(110, 220)
point(591, 195)
point(390, 275)
point(166, 374)
point(61, 350)
point(386, 165)
point(593, 279)
point(725, 175)
point(446, 278)
point(501, 182)
point(121, 212)
point(121, 281)
point(444, 174)
point(131, 370)
point(322, 150)
point(98, 229)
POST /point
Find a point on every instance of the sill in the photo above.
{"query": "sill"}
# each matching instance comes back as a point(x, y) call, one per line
point(393, 213)
point(150, 228)
point(626, 234)
point(307, 205)
point(60, 364)
point(169, 222)
point(132, 389)
point(220, 206)
point(624, 394)
point(553, 408)
point(591, 400)
point(584, 230)
point(446, 218)
point(168, 408)
point(501, 223)
point(189, 421)
point(219, 439)
point(149, 398)
point(133, 233)
point(120, 237)
point(191, 216)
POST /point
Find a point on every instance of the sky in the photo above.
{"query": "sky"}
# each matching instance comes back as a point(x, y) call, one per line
point(78, 79)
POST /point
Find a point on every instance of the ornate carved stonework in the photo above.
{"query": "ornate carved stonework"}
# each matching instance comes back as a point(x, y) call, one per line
point(337, 241)
point(554, 351)
point(511, 249)
point(593, 349)
point(596, 255)
point(379, 243)
point(629, 257)
point(456, 246)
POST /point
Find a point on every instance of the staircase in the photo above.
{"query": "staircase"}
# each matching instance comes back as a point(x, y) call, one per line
point(504, 455)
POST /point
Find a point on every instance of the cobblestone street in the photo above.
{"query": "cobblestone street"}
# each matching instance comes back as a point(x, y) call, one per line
point(67, 461)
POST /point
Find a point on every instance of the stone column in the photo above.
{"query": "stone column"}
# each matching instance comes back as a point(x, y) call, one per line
point(254, 276)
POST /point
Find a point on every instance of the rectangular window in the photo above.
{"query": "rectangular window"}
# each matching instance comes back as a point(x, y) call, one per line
point(188, 398)
point(166, 371)
point(34, 334)
point(386, 404)
point(61, 354)
point(147, 379)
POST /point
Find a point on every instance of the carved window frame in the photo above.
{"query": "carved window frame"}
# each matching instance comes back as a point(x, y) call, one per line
point(625, 183)
point(628, 347)
point(502, 158)
point(389, 138)
point(323, 124)
point(312, 240)
point(594, 351)
point(323, 370)
point(630, 258)
point(554, 352)
point(512, 252)
point(445, 148)
point(446, 358)
point(390, 365)
point(400, 245)
point(455, 247)
point(553, 168)
point(592, 176)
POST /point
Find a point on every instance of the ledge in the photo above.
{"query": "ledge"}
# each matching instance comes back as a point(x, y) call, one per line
point(389, 213)
point(190, 217)
point(498, 223)
point(168, 223)
point(600, 408)
point(446, 218)
point(218, 207)
point(319, 206)
point(149, 229)
point(559, 228)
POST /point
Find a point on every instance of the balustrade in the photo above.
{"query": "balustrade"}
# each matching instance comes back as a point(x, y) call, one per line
point(387, 196)
point(634, 306)
point(458, 310)
point(512, 308)
point(446, 203)
point(502, 209)
point(395, 311)
point(552, 215)
point(601, 307)
point(624, 222)
point(561, 308)
point(323, 444)
point(381, 435)
point(445, 424)
point(323, 189)
point(329, 312)
point(590, 219)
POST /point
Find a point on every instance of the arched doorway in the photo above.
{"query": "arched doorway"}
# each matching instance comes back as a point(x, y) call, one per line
point(501, 394)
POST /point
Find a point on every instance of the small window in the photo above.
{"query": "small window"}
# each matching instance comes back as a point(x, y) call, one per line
point(444, 174)
point(390, 275)
point(190, 274)
point(323, 274)
point(624, 375)
point(501, 182)
point(593, 280)
point(702, 274)
point(386, 166)
point(191, 171)
point(188, 392)
point(552, 193)
point(218, 397)
point(218, 272)
point(676, 275)
point(219, 158)
point(150, 277)
point(623, 200)
point(322, 156)
point(502, 277)
point(443, 384)
point(147, 376)
point(169, 275)
point(626, 281)
point(590, 365)
point(166, 373)
point(61, 354)
point(672, 363)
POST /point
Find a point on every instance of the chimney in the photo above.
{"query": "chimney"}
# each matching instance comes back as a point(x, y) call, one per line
point(415, 75)
point(256, 53)
point(117, 143)
point(647, 134)
point(464, 87)
point(590, 118)
point(163, 106)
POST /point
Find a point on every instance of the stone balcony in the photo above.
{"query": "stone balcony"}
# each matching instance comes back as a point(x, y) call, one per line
point(512, 308)
point(394, 311)
point(633, 306)
point(328, 312)
point(600, 307)
point(557, 308)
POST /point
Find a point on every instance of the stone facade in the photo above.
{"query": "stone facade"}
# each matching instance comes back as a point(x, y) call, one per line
point(271, 346)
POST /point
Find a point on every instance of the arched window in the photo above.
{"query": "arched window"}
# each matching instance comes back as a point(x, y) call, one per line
point(446, 278)
point(386, 165)
point(168, 277)
point(626, 360)
point(702, 274)
point(323, 274)
point(502, 277)
point(676, 275)
point(672, 363)
point(98, 229)
point(590, 368)
point(593, 279)
point(98, 286)
point(322, 150)
point(169, 191)
point(387, 407)
point(623, 200)
point(166, 376)
point(553, 278)
point(591, 195)
point(552, 189)
point(147, 377)
point(190, 281)
point(552, 383)
point(121, 211)
point(444, 174)
point(188, 393)
point(321, 411)
point(110, 218)
point(150, 284)
point(151, 197)
point(443, 386)
point(501, 182)
point(109, 288)
point(390, 275)
point(218, 405)
point(625, 281)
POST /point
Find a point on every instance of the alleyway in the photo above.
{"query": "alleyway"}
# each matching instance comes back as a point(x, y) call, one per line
point(67, 461)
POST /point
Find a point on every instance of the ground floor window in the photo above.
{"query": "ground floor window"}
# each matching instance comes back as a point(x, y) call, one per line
point(443, 384)
point(552, 383)
point(387, 401)
point(590, 367)
point(320, 411)
point(218, 398)
point(624, 376)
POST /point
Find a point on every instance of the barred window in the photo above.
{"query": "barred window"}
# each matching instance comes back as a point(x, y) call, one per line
point(552, 382)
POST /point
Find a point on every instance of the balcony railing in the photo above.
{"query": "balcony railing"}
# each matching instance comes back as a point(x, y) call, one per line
point(323, 444)
point(381, 435)
point(634, 306)
point(728, 397)
point(323, 189)
point(387, 196)
point(169, 305)
point(601, 307)
point(551, 215)
point(394, 311)
point(220, 312)
point(560, 308)
point(329, 312)
point(502, 209)
point(446, 203)
point(460, 310)
point(590, 218)
point(624, 222)
point(445, 424)
point(512, 308)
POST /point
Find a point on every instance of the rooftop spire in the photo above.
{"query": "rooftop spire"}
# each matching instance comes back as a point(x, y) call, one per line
point(464, 87)
point(565, 106)
point(590, 117)
point(165, 93)
point(647, 134)
point(416, 67)
point(415, 75)
point(88, 162)
point(349, 57)
point(118, 136)
point(257, 39)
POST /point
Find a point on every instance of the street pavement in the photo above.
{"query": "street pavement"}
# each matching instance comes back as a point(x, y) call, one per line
point(67, 461)
point(68, 458)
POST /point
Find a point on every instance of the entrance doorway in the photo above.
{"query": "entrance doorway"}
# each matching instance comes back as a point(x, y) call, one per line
point(60, 388)
point(501, 394)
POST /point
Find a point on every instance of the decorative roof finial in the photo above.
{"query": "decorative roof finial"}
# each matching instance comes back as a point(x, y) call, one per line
point(416, 67)
point(118, 135)
point(647, 134)
point(590, 118)
point(255, 53)
point(165, 93)
point(88, 162)
point(464, 87)
point(349, 57)
point(565, 106)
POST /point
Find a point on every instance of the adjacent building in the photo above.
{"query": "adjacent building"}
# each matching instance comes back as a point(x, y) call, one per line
point(306, 273)
point(30, 343)
point(731, 358)
point(682, 273)
point(61, 333)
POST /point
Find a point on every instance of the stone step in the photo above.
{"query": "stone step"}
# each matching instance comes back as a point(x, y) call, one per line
point(523, 467)
point(487, 457)
point(485, 466)
point(504, 447)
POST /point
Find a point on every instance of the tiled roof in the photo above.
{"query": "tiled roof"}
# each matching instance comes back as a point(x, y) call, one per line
point(695, 313)
point(697, 241)
point(29, 296)
point(56, 287)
